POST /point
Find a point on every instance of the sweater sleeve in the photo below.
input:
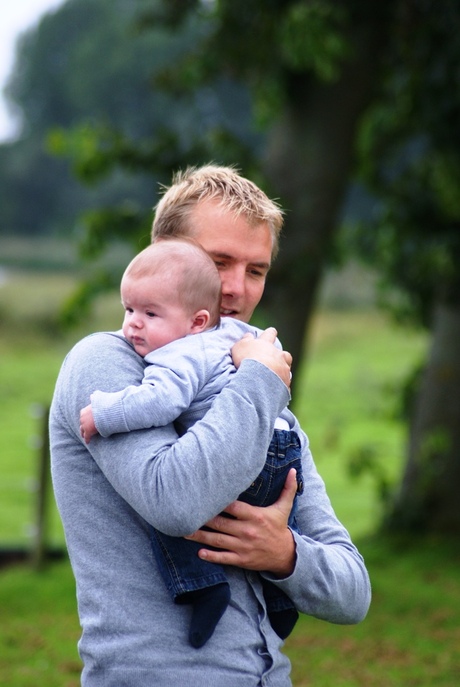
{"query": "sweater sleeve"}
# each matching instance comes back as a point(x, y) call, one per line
point(204, 470)
point(172, 379)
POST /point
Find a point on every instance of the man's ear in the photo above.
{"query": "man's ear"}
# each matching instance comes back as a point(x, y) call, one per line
point(200, 321)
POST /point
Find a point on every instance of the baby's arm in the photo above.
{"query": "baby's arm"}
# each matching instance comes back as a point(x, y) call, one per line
point(87, 425)
point(163, 395)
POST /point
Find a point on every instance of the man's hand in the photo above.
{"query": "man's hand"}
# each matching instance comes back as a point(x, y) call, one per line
point(263, 350)
point(87, 426)
point(255, 538)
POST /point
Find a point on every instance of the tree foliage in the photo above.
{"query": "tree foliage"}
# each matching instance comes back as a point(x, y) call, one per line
point(222, 66)
point(88, 69)
point(297, 59)
point(410, 146)
point(296, 92)
point(410, 154)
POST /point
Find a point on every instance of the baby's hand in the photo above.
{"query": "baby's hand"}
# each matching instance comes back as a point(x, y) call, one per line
point(264, 351)
point(87, 426)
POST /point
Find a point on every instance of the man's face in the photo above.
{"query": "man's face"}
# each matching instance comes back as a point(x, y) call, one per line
point(241, 252)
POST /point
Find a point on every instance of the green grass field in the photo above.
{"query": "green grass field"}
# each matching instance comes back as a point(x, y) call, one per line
point(347, 401)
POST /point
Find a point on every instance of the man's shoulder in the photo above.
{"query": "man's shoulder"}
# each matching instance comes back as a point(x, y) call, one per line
point(100, 345)
point(100, 340)
point(103, 360)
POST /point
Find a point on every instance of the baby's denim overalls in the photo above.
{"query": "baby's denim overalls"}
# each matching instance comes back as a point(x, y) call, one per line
point(177, 558)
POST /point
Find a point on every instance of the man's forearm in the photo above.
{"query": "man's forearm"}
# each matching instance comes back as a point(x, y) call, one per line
point(210, 465)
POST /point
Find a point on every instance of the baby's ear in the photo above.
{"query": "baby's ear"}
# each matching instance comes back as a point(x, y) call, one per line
point(200, 321)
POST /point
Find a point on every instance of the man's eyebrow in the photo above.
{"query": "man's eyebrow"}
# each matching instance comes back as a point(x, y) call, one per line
point(226, 256)
point(261, 265)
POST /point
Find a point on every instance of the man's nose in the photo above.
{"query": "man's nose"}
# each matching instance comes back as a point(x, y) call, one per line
point(233, 281)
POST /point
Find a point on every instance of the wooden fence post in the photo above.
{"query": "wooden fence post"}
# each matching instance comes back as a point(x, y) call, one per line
point(39, 548)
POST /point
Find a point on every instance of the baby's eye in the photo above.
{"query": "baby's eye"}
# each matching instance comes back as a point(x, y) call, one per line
point(130, 310)
point(150, 314)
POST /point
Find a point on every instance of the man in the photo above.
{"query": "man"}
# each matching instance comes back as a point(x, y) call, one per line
point(108, 492)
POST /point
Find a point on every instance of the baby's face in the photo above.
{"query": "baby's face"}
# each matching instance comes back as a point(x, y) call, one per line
point(153, 315)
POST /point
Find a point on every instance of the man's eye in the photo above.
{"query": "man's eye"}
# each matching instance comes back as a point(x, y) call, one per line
point(219, 264)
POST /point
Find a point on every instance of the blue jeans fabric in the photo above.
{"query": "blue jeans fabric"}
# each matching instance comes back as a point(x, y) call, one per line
point(177, 558)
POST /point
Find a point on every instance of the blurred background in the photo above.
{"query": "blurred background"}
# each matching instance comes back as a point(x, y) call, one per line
point(345, 111)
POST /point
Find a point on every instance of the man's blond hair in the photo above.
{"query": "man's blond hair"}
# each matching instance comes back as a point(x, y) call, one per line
point(187, 268)
point(213, 182)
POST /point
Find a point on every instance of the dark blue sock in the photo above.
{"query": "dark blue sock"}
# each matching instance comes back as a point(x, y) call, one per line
point(209, 605)
point(283, 621)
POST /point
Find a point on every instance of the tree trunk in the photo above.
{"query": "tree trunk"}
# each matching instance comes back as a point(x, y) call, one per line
point(428, 500)
point(309, 163)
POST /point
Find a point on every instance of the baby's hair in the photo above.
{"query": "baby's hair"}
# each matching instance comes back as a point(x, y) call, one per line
point(235, 193)
point(186, 266)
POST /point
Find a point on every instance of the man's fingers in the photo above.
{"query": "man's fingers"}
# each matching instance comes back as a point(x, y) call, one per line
point(254, 538)
point(288, 358)
point(288, 493)
point(269, 335)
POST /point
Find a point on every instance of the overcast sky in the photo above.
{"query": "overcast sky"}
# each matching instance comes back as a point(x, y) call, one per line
point(15, 17)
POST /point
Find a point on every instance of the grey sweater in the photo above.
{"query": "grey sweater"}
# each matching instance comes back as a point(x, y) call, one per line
point(132, 636)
